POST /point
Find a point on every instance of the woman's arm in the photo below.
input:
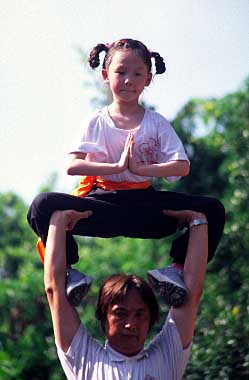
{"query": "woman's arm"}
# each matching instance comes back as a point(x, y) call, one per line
point(194, 272)
point(65, 318)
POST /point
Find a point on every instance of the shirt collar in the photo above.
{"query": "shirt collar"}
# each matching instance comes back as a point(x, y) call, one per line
point(116, 356)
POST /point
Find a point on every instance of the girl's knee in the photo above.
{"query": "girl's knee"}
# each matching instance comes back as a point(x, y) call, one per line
point(40, 201)
point(215, 210)
point(218, 207)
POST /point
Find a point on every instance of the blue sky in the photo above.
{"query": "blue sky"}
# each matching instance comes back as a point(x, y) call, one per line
point(42, 97)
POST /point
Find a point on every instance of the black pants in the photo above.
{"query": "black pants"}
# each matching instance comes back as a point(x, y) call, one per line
point(129, 213)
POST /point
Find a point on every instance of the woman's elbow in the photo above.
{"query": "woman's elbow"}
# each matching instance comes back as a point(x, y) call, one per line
point(49, 283)
point(194, 296)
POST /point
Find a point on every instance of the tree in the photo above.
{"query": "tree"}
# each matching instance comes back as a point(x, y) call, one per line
point(219, 167)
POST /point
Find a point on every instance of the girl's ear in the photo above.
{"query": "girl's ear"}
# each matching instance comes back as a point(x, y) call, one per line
point(105, 76)
point(148, 79)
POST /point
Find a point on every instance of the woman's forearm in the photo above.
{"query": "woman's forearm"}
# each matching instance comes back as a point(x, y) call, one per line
point(196, 260)
point(55, 256)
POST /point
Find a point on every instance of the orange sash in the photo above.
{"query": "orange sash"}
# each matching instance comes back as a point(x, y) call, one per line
point(85, 186)
point(87, 182)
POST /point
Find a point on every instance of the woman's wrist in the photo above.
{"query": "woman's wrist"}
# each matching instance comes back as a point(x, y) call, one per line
point(197, 219)
point(198, 222)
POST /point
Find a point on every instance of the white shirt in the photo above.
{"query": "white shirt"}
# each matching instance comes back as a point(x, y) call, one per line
point(155, 142)
point(163, 359)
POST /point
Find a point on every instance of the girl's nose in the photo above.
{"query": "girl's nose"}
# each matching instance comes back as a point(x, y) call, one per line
point(127, 81)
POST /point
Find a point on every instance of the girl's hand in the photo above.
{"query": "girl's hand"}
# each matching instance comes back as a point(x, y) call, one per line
point(124, 159)
point(133, 166)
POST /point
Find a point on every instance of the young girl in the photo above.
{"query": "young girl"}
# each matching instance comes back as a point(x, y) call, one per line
point(122, 147)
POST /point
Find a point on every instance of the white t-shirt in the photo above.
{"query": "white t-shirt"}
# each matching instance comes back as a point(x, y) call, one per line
point(163, 359)
point(155, 142)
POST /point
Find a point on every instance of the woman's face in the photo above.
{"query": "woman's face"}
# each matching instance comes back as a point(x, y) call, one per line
point(127, 324)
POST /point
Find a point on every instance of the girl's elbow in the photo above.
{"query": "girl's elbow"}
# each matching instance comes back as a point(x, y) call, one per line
point(185, 168)
point(69, 169)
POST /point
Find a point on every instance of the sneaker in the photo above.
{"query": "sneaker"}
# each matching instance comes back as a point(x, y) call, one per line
point(169, 283)
point(77, 286)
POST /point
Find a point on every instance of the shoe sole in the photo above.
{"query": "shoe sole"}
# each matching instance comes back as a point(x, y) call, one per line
point(76, 295)
point(173, 294)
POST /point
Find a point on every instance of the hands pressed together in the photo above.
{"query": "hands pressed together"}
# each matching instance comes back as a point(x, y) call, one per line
point(127, 159)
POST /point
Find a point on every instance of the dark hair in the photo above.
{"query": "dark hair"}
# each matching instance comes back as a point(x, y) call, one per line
point(126, 43)
point(116, 287)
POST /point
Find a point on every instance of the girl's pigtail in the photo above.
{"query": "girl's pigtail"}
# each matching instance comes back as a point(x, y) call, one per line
point(93, 59)
point(159, 63)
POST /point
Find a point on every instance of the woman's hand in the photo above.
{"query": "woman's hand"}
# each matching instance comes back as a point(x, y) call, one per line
point(184, 217)
point(69, 218)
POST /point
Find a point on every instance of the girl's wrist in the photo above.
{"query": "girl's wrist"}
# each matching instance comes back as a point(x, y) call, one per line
point(139, 170)
point(117, 168)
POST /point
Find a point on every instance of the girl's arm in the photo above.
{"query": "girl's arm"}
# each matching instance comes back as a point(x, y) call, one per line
point(177, 168)
point(167, 169)
point(77, 165)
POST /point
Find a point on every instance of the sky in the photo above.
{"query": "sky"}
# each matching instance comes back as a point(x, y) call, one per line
point(43, 98)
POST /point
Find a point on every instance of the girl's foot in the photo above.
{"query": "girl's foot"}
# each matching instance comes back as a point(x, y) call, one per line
point(170, 284)
point(77, 286)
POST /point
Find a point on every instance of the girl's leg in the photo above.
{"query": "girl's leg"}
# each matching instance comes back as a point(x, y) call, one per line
point(105, 221)
point(147, 220)
point(215, 214)
point(135, 213)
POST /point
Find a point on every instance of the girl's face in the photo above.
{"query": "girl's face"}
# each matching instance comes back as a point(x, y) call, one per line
point(127, 76)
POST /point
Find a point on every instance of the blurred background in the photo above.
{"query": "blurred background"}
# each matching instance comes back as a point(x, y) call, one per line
point(46, 92)
point(43, 96)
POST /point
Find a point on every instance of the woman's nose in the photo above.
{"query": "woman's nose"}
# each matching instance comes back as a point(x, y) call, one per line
point(130, 326)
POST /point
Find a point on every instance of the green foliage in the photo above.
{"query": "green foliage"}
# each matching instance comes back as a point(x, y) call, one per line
point(216, 135)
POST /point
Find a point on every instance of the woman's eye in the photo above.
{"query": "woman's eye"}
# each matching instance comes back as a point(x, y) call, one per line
point(119, 313)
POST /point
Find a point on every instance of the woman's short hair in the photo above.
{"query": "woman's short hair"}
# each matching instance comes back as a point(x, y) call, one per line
point(115, 288)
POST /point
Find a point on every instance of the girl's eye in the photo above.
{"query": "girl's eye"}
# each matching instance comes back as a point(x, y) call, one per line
point(120, 72)
point(138, 74)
